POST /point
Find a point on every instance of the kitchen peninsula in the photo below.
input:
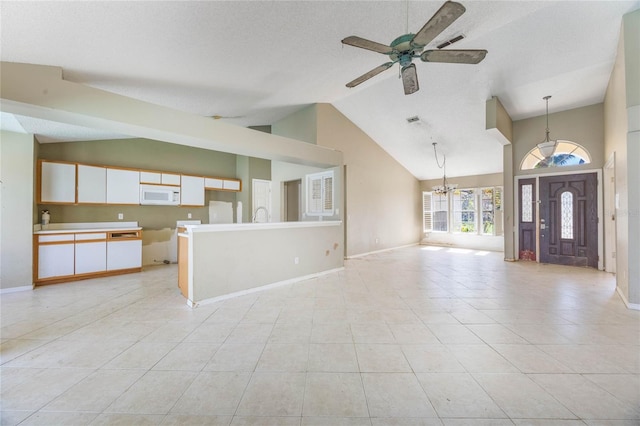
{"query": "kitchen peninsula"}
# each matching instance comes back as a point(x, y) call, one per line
point(225, 260)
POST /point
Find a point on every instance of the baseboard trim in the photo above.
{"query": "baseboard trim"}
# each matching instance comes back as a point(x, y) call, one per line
point(261, 288)
point(16, 289)
point(380, 251)
point(634, 306)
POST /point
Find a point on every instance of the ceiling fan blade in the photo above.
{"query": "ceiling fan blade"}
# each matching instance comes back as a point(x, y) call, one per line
point(372, 73)
point(410, 79)
point(454, 56)
point(449, 12)
point(367, 44)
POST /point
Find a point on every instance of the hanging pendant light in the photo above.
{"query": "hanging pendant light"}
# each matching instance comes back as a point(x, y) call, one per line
point(446, 187)
point(548, 147)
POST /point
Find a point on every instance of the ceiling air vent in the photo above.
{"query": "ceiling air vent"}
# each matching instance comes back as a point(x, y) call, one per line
point(453, 40)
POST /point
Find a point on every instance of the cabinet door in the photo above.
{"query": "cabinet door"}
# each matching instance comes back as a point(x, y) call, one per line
point(91, 257)
point(150, 177)
point(124, 254)
point(170, 179)
point(57, 182)
point(212, 183)
point(92, 184)
point(123, 186)
point(192, 191)
point(55, 260)
point(231, 185)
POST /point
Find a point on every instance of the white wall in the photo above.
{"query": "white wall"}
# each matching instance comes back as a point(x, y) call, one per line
point(231, 261)
point(622, 137)
point(16, 210)
point(383, 200)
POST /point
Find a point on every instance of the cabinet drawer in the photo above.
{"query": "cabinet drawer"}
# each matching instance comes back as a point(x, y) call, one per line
point(55, 238)
point(91, 236)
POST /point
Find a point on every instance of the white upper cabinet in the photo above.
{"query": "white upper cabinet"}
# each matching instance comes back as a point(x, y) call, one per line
point(57, 182)
point(231, 185)
point(192, 191)
point(123, 186)
point(170, 179)
point(213, 183)
point(92, 184)
point(151, 177)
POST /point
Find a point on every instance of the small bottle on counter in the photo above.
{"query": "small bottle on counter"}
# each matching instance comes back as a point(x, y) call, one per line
point(45, 217)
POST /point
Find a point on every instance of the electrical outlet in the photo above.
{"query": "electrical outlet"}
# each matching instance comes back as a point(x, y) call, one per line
point(296, 260)
point(120, 216)
point(188, 215)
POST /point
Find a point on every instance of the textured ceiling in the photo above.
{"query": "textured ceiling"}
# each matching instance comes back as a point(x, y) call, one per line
point(259, 61)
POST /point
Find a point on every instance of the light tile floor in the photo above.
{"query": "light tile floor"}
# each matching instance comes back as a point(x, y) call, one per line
point(415, 336)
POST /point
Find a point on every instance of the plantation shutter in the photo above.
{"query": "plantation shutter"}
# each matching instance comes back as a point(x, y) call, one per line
point(427, 212)
point(319, 198)
point(327, 182)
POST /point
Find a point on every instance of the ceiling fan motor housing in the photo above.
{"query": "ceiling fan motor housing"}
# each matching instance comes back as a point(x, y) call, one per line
point(403, 50)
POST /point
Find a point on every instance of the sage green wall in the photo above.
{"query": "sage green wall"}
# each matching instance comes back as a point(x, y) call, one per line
point(584, 126)
point(301, 125)
point(141, 154)
point(248, 168)
point(16, 201)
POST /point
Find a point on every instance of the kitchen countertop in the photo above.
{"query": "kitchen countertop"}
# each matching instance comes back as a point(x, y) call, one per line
point(249, 226)
point(63, 228)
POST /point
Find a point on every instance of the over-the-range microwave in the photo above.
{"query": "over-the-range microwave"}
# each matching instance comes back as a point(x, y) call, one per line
point(160, 195)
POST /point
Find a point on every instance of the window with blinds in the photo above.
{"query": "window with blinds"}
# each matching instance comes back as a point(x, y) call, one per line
point(320, 194)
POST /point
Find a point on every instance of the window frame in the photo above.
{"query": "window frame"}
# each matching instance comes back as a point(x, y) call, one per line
point(474, 200)
point(429, 214)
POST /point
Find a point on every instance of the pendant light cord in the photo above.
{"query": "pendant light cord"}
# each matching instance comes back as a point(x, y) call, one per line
point(444, 157)
point(546, 98)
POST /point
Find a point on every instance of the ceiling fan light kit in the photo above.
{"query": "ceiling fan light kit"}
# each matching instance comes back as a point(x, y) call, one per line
point(547, 147)
point(409, 46)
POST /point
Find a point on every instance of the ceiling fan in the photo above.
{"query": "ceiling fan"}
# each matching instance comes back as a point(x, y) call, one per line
point(408, 46)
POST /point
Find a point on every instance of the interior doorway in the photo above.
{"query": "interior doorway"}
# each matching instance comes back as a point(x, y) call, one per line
point(569, 219)
point(260, 200)
point(291, 200)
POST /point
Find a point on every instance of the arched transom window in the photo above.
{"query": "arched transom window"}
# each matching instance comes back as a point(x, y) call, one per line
point(567, 153)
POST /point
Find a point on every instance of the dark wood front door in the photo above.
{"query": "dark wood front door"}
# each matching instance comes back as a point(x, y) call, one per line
point(527, 219)
point(569, 220)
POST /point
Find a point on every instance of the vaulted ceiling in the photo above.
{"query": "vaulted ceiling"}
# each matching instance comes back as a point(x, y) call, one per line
point(256, 62)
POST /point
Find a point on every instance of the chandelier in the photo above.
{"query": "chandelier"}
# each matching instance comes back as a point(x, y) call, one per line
point(446, 187)
point(547, 147)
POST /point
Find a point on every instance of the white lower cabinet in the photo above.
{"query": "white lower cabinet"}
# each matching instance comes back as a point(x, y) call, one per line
point(56, 260)
point(91, 257)
point(80, 255)
point(124, 254)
